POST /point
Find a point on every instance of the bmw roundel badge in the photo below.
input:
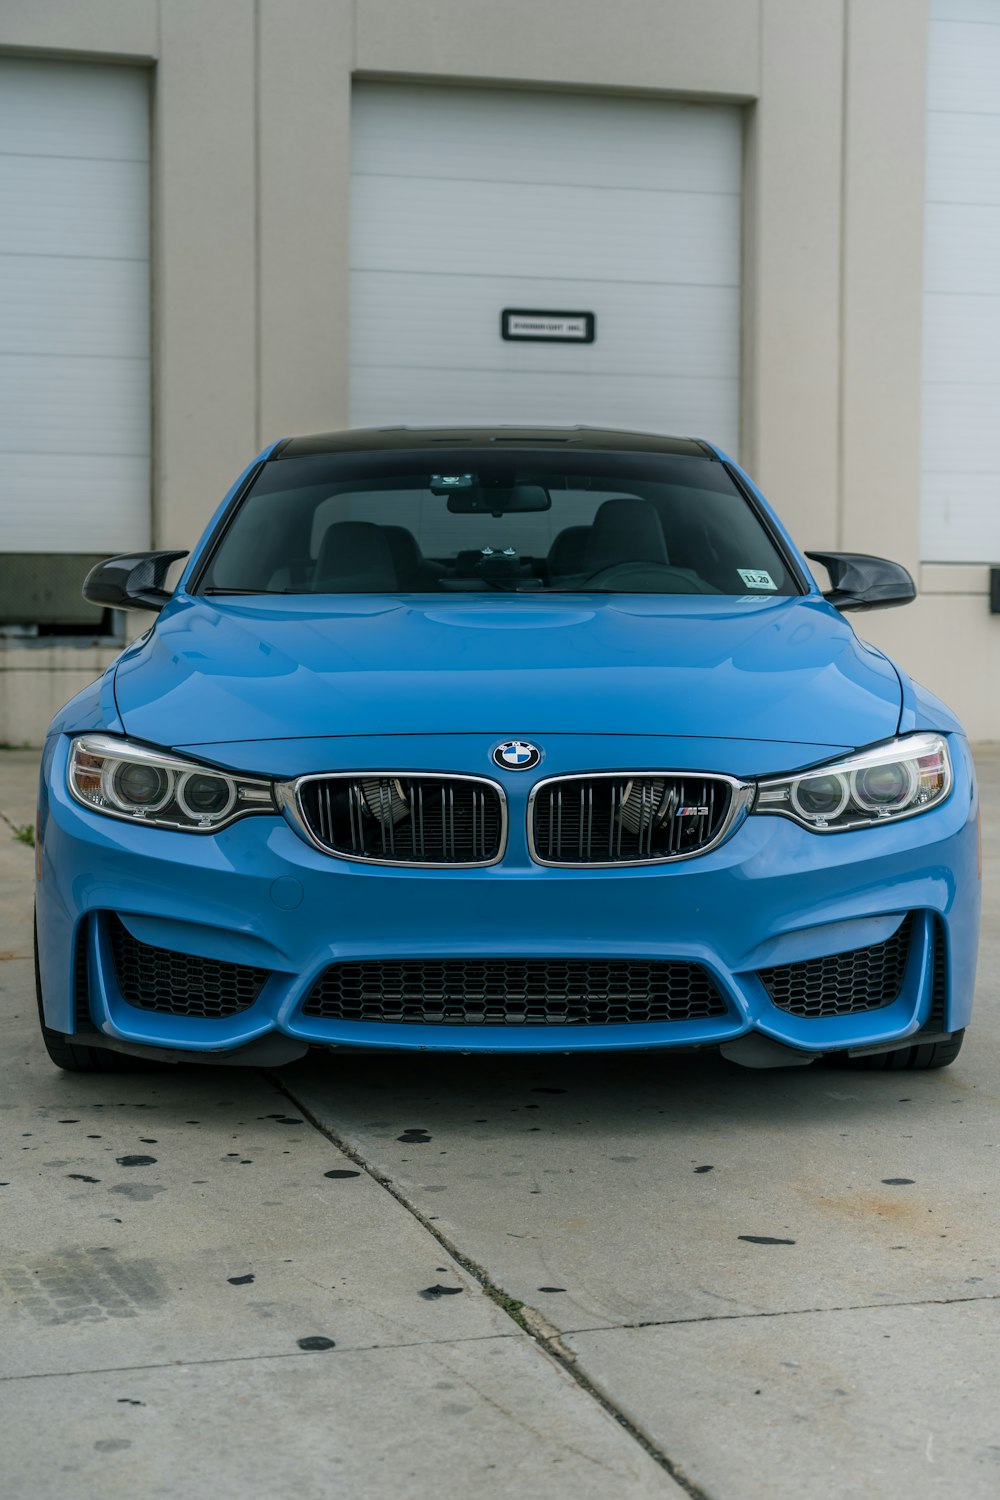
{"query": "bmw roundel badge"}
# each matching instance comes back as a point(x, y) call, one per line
point(517, 755)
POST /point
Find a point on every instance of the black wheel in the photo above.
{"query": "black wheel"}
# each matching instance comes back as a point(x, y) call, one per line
point(918, 1058)
point(81, 1057)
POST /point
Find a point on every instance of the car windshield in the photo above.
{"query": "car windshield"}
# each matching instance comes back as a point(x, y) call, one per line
point(470, 521)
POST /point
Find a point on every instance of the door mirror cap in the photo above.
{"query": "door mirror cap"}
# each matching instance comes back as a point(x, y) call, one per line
point(864, 582)
point(131, 581)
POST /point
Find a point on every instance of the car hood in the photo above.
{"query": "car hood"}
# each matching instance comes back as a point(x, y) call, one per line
point(777, 669)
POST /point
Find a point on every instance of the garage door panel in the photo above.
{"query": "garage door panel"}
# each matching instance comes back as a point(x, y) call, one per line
point(469, 201)
point(74, 306)
point(53, 305)
point(960, 428)
point(963, 157)
point(962, 338)
point(963, 517)
point(60, 404)
point(523, 137)
point(963, 10)
point(961, 479)
point(964, 65)
point(77, 503)
point(527, 229)
point(80, 111)
point(439, 321)
point(708, 408)
point(74, 207)
point(963, 248)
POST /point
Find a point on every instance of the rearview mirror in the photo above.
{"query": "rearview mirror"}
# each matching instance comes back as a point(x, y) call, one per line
point(498, 500)
point(131, 581)
point(864, 582)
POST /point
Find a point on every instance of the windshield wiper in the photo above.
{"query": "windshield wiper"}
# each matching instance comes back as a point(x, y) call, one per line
point(256, 591)
point(495, 586)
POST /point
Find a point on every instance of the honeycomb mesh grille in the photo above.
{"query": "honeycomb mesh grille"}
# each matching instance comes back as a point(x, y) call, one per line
point(842, 984)
point(515, 992)
point(627, 819)
point(413, 820)
point(179, 984)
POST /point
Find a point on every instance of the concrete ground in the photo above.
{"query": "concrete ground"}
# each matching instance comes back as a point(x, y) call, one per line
point(558, 1277)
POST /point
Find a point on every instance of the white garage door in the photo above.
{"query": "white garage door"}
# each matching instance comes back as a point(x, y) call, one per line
point(961, 459)
point(466, 202)
point(74, 307)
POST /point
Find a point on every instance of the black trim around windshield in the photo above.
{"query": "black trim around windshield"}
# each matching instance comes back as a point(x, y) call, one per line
point(768, 527)
point(222, 526)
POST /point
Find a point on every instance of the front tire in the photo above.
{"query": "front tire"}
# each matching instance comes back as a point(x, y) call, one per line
point(80, 1057)
point(919, 1058)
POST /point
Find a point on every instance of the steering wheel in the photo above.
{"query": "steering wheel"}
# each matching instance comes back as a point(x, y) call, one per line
point(652, 574)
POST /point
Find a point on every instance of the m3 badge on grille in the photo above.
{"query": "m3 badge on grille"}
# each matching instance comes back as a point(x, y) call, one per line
point(517, 755)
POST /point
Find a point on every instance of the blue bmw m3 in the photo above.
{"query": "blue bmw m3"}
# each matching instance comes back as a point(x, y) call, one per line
point(503, 740)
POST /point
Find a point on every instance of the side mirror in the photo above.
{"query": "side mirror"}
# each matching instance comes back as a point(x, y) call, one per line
point(863, 582)
point(132, 581)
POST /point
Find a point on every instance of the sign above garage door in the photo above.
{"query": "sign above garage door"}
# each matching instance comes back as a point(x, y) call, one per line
point(547, 327)
point(468, 203)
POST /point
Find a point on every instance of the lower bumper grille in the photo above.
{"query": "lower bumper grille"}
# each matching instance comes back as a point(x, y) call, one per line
point(515, 992)
point(842, 984)
point(180, 984)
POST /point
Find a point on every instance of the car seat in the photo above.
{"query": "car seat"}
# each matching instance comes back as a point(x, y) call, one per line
point(354, 558)
point(624, 531)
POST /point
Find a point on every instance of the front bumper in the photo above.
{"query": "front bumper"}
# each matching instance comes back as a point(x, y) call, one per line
point(256, 894)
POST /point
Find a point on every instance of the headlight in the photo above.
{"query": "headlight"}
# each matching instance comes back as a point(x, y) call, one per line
point(146, 786)
point(892, 781)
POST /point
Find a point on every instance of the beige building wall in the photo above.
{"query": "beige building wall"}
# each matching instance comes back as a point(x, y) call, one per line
point(251, 119)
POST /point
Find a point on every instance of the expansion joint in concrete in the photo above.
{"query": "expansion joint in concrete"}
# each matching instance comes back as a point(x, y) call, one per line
point(527, 1319)
point(244, 1359)
point(783, 1312)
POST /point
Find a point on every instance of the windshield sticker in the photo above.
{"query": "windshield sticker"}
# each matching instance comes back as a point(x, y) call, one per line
point(756, 578)
point(443, 484)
